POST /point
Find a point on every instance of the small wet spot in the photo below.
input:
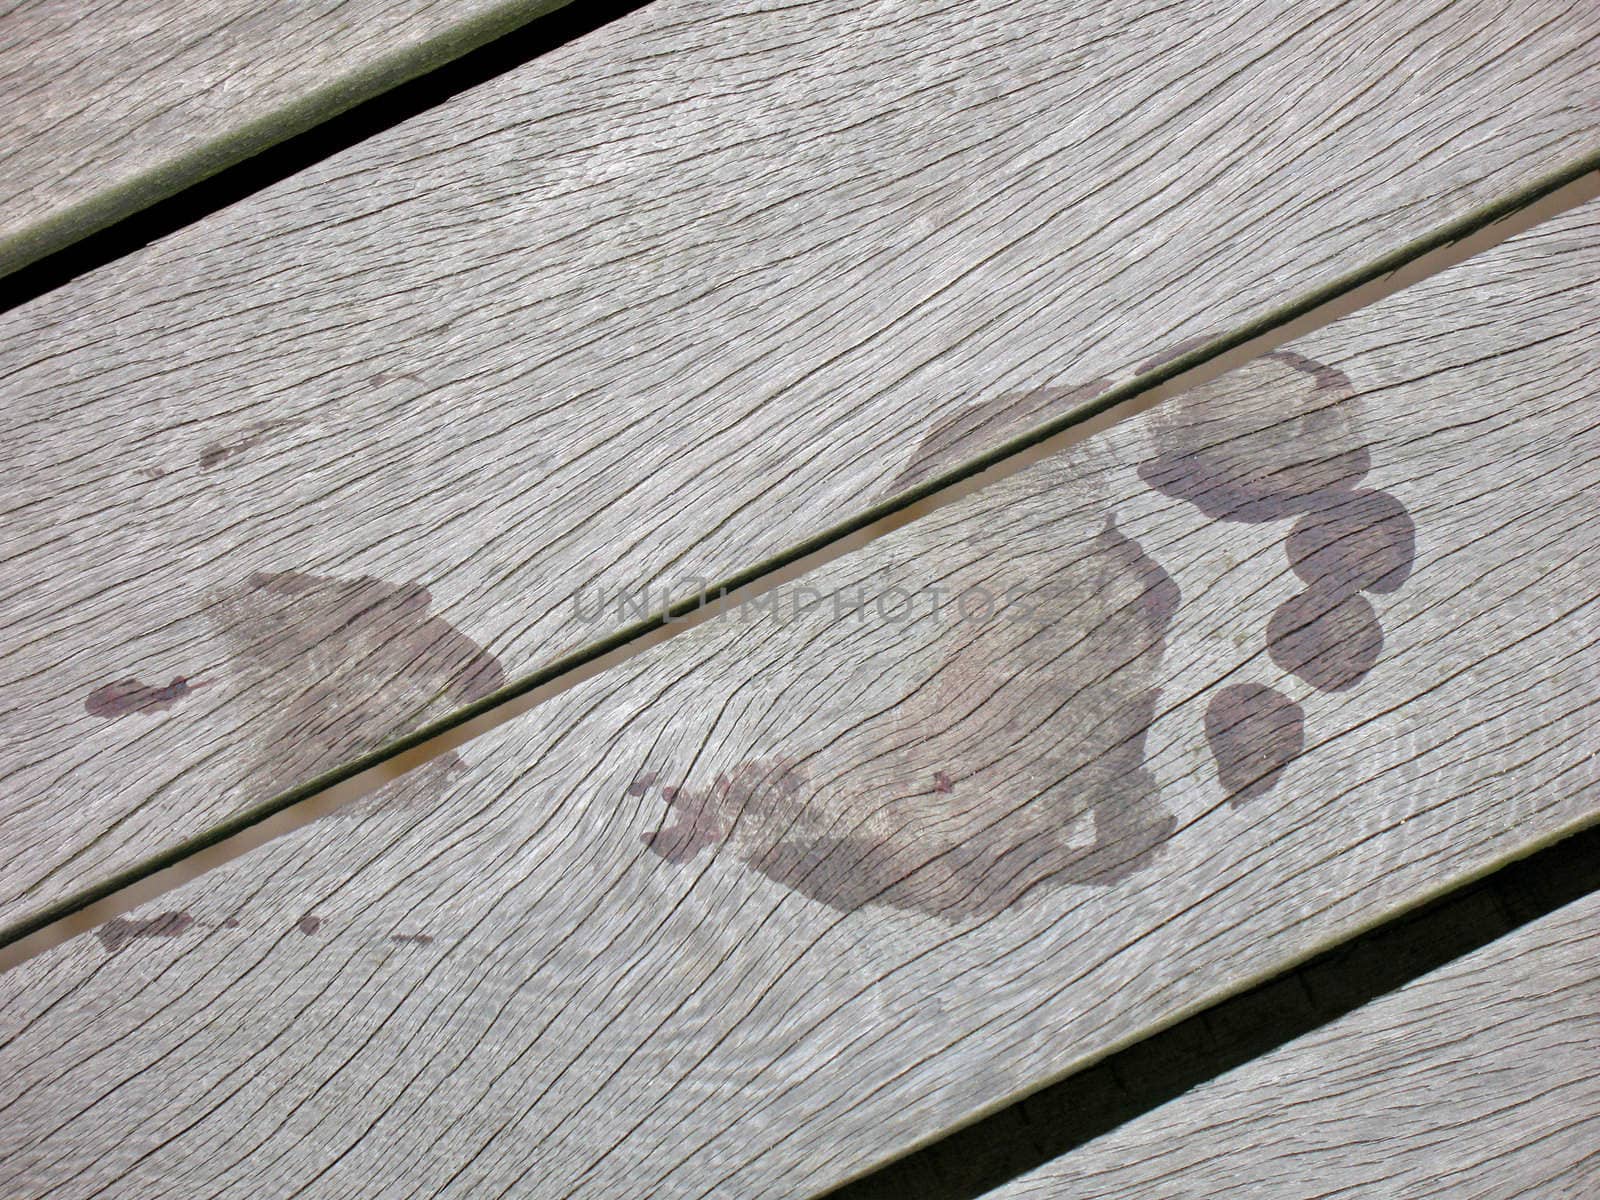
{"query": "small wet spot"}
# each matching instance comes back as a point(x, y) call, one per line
point(218, 453)
point(942, 782)
point(118, 932)
point(419, 939)
point(308, 924)
point(1254, 733)
point(130, 696)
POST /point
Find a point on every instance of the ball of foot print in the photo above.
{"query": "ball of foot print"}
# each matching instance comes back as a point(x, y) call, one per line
point(1259, 443)
point(1354, 541)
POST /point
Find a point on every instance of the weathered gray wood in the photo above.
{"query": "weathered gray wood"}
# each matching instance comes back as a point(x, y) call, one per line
point(762, 907)
point(1479, 1080)
point(110, 107)
point(653, 307)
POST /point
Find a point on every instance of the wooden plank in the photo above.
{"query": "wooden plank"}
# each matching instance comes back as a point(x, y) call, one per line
point(1477, 1080)
point(765, 906)
point(111, 107)
point(289, 483)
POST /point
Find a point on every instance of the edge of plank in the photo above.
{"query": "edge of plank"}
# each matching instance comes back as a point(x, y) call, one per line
point(107, 207)
point(1394, 951)
point(1449, 244)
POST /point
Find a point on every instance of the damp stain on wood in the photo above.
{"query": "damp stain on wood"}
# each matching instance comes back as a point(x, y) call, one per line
point(1328, 637)
point(334, 667)
point(116, 933)
point(985, 425)
point(704, 816)
point(1278, 439)
point(218, 453)
point(1270, 440)
point(130, 696)
point(1254, 733)
point(936, 823)
point(1357, 541)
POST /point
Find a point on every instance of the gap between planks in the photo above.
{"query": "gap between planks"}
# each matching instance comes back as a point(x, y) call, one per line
point(119, 219)
point(1446, 246)
point(1033, 1128)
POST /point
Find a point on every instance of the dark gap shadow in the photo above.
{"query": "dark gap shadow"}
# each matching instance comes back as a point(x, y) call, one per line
point(367, 119)
point(1063, 1116)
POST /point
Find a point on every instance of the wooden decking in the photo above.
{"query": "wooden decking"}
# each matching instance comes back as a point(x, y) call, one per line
point(1089, 746)
point(111, 107)
point(1478, 1080)
point(607, 344)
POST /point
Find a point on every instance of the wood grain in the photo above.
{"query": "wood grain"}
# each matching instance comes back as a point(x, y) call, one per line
point(111, 107)
point(1478, 1080)
point(654, 307)
point(769, 904)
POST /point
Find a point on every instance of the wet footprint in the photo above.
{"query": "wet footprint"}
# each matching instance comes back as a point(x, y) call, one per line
point(337, 666)
point(1020, 762)
point(1276, 440)
point(321, 669)
point(1014, 759)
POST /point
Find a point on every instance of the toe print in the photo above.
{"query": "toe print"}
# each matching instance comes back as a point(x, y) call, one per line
point(1254, 733)
point(1268, 441)
point(706, 817)
point(1272, 441)
point(1360, 541)
point(1327, 637)
point(1017, 761)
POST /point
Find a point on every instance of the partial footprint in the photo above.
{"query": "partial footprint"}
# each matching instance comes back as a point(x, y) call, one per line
point(1278, 439)
point(1015, 760)
point(1018, 762)
point(336, 667)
